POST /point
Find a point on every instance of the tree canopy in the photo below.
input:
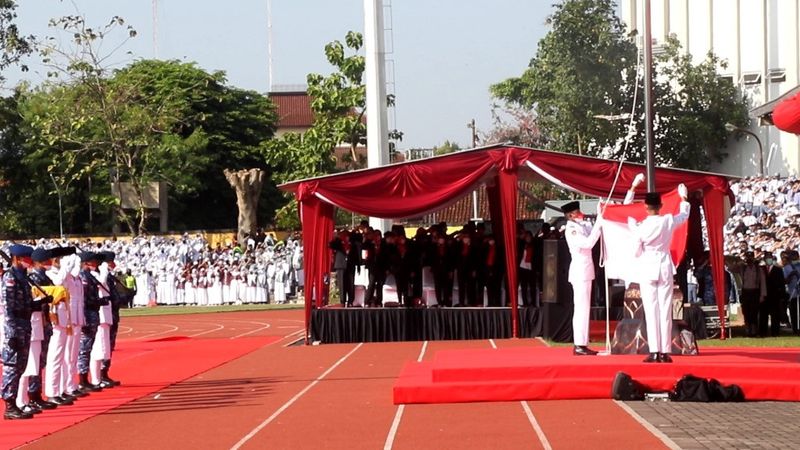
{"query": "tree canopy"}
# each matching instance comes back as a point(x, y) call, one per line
point(585, 72)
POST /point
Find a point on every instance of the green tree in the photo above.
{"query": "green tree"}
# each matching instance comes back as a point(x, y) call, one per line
point(14, 45)
point(692, 104)
point(445, 148)
point(585, 70)
point(150, 121)
point(339, 104)
point(582, 68)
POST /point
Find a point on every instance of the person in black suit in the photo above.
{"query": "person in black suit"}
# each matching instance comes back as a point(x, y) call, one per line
point(769, 312)
point(490, 274)
point(467, 267)
point(525, 273)
point(443, 267)
point(374, 255)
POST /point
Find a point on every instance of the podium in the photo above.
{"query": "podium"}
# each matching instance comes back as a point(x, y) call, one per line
point(630, 336)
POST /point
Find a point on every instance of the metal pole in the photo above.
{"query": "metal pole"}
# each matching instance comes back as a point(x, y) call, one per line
point(648, 99)
point(471, 125)
point(60, 216)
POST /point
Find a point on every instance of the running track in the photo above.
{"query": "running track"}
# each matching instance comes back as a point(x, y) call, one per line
point(333, 396)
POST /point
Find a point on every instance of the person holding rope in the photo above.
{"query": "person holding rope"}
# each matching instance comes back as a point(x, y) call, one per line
point(581, 237)
point(654, 236)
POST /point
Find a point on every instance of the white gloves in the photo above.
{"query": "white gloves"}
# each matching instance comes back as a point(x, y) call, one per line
point(682, 191)
point(637, 180)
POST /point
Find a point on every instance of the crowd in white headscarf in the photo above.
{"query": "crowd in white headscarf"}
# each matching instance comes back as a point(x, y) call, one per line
point(765, 218)
point(188, 271)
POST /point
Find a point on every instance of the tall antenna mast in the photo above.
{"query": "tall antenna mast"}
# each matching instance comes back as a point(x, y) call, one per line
point(155, 29)
point(269, 44)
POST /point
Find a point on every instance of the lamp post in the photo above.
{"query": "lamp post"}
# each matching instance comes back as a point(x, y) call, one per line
point(60, 217)
point(733, 128)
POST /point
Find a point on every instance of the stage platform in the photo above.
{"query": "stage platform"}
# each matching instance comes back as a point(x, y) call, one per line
point(540, 373)
point(348, 325)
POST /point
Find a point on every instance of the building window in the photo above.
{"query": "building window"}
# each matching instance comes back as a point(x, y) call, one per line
point(751, 78)
point(777, 75)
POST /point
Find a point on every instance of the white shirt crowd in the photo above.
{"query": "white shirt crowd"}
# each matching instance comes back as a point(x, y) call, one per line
point(187, 271)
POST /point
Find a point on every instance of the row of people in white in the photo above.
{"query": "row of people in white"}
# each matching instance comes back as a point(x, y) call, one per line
point(215, 286)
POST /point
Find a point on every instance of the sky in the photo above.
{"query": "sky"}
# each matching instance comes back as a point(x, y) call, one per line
point(445, 53)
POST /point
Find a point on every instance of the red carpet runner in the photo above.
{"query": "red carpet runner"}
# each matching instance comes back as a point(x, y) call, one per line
point(536, 373)
point(144, 368)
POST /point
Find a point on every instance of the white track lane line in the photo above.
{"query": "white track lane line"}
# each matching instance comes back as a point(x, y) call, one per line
point(399, 414)
point(148, 336)
point(264, 327)
point(648, 426)
point(218, 325)
point(536, 427)
point(126, 330)
point(286, 405)
point(491, 342)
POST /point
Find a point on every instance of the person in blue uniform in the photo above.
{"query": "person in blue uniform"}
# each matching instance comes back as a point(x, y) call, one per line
point(92, 304)
point(19, 304)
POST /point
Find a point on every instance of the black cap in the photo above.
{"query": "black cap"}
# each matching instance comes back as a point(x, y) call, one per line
point(40, 255)
point(571, 206)
point(89, 256)
point(58, 252)
point(652, 199)
point(106, 256)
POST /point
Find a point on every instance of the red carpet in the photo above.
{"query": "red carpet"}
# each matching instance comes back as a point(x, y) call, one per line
point(144, 368)
point(537, 373)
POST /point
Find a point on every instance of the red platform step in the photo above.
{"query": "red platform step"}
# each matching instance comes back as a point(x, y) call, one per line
point(538, 373)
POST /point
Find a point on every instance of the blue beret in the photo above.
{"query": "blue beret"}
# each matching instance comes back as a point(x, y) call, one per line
point(20, 250)
point(40, 255)
point(89, 256)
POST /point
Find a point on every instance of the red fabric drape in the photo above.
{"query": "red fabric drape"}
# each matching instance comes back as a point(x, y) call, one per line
point(508, 164)
point(786, 115)
point(317, 221)
point(714, 207)
point(594, 176)
point(406, 190)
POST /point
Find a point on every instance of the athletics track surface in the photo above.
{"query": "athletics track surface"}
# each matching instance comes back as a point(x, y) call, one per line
point(230, 380)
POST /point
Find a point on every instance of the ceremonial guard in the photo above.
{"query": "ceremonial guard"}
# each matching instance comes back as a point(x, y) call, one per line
point(92, 303)
point(74, 285)
point(57, 370)
point(41, 332)
point(657, 270)
point(581, 237)
point(115, 303)
point(19, 305)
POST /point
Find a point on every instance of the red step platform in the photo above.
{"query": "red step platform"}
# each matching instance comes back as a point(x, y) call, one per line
point(540, 373)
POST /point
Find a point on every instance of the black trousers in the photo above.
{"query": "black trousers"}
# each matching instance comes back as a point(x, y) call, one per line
point(750, 307)
point(527, 284)
point(443, 286)
point(769, 317)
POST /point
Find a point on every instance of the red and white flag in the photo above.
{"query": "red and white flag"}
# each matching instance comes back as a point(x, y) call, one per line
point(620, 245)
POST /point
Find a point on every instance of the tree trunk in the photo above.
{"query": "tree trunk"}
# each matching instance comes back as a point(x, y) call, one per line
point(247, 184)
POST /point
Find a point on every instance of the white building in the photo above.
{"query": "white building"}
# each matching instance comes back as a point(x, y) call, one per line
point(760, 39)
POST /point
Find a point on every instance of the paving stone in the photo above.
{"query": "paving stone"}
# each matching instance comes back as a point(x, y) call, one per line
point(749, 425)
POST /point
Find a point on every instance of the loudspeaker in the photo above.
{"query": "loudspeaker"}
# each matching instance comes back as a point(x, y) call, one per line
point(555, 272)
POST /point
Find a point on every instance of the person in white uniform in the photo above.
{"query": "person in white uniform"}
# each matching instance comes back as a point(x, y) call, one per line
point(656, 269)
point(581, 237)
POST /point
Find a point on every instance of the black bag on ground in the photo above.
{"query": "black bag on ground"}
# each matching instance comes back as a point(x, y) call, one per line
point(694, 389)
point(625, 388)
